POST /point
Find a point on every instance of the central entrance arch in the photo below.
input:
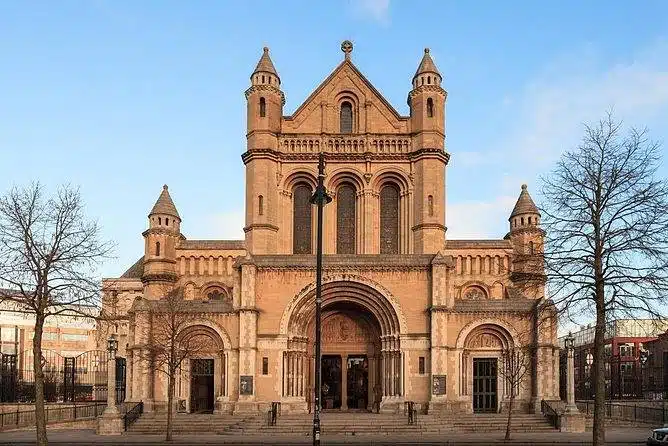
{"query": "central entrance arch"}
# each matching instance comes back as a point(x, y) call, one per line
point(361, 362)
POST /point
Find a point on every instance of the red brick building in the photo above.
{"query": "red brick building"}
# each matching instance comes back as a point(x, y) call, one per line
point(625, 340)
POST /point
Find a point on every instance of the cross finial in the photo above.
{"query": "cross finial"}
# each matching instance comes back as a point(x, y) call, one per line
point(347, 48)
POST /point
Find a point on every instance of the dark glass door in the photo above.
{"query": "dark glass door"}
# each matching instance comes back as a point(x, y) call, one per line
point(331, 381)
point(358, 382)
point(484, 385)
point(201, 385)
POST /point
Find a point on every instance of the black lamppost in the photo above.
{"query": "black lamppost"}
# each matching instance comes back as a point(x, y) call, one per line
point(320, 199)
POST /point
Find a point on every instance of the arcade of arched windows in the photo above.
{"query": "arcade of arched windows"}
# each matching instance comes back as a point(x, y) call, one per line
point(205, 265)
point(363, 221)
point(482, 264)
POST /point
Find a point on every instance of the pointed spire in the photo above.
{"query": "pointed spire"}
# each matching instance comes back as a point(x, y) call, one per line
point(525, 204)
point(427, 65)
point(265, 64)
point(165, 205)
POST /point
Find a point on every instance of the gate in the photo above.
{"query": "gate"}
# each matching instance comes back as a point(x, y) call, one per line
point(70, 379)
point(7, 378)
point(484, 385)
point(120, 380)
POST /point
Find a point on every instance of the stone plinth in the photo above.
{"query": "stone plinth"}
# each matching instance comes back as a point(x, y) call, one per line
point(109, 424)
point(572, 422)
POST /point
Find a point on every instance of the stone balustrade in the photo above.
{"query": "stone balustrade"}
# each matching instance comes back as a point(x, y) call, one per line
point(373, 143)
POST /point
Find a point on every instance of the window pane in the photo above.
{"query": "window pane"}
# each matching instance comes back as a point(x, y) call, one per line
point(301, 230)
point(389, 220)
point(346, 117)
point(345, 220)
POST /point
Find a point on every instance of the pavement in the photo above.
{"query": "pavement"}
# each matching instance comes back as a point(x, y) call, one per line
point(616, 436)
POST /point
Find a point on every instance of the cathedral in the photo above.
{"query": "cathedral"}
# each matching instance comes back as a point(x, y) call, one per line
point(408, 314)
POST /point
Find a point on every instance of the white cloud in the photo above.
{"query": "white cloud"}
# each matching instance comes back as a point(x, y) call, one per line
point(479, 219)
point(573, 91)
point(548, 119)
point(228, 225)
point(378, 10)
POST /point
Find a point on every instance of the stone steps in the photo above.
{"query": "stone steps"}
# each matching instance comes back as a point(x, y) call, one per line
point(339, 424)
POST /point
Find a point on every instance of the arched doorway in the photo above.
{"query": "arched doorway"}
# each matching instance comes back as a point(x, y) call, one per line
point(482, 358)
point(202, 378)
point(361, 353)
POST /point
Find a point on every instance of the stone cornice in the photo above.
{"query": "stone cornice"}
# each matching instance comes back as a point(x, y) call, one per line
point(277, 155)
point(265, 88)
point(342, 262)
point(261, 226)
point(429, 226)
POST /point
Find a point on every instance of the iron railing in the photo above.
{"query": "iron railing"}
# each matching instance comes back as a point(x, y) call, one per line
point(635, 412)
point(411, 411)
point(550, 412)
point(273, 413)
point(63, 414)
point(132, 414)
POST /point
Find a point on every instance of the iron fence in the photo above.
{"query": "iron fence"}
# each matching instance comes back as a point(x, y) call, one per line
point(62, 414)
point(639, 413)
point(66, 379)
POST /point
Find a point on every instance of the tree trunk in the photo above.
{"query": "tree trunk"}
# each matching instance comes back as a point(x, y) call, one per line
point(599, 370)
point(170, 399)
point(510, 416)
point(40, 416)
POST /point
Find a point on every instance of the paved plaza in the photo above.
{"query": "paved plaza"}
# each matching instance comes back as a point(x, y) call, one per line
point(617, 436)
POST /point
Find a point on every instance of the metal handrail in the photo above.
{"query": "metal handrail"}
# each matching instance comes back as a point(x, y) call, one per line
point(23, 418)
point(132, 415)
point(550, 413)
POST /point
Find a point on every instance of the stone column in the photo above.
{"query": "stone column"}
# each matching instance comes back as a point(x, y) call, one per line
point(344, 382)
point(571, 420)
point(570, 378)
point(110, 422)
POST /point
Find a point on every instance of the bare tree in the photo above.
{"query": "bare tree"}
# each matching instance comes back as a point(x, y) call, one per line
point(606, 217)
point(49, 252)
point(517, 363)
point(171, 343)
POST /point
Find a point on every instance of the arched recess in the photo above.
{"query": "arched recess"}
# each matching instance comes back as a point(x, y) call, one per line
point(347, 210)
point(362, 303)
point(213, 345)
point(398, 179)
point(292, 181)
point(487, 339)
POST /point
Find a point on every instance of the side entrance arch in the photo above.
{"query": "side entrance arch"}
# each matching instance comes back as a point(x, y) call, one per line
point(203, 378)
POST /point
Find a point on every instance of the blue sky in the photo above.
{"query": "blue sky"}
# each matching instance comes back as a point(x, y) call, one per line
point(120, 97)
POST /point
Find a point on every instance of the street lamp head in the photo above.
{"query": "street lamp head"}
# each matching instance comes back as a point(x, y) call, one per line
point(570, 341)
point(590, 359)
point(112, 344)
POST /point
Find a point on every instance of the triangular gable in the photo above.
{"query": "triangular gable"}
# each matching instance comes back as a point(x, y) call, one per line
point(343, 65)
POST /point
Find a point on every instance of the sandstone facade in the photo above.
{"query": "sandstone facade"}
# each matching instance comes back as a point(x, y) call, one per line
point(407, 313)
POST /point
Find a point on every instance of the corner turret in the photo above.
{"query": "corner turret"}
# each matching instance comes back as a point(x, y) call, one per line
point(265, 102)
point(427, 127)
point(527, 239)
point(161, 238)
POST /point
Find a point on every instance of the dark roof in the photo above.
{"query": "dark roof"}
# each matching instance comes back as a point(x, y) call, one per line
point(165, 205)
point(135, 271)
point(212, 244)
point(525, 204)
point(265, 64)
point(427, 65)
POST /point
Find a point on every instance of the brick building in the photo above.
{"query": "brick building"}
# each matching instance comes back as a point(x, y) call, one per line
point(407, 313)
point(625, 340)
